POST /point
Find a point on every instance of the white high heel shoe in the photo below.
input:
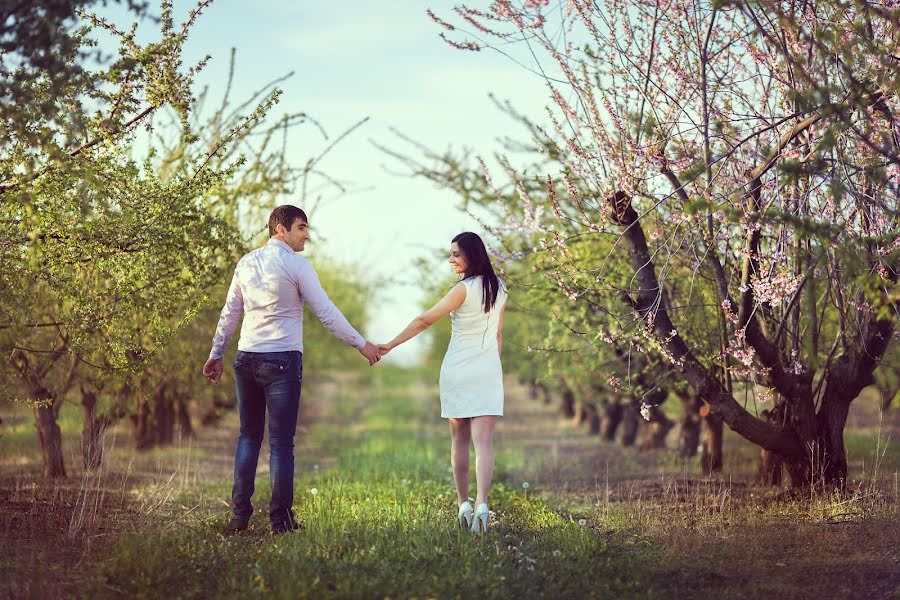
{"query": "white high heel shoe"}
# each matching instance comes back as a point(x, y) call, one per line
point(480, 523)
point(465, 515)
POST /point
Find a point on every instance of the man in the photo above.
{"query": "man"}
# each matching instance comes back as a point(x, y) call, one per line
point(270, 286)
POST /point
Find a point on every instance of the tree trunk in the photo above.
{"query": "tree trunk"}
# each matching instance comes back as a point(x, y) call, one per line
point(887, 396)
point(631, 419)
point(185, 428)
point(154, 422)
point(92, 430)
point(770, 468)
point(592, 418)
point(164, 413)
point(213, 415)
point(691, 424)
point(656, 430)
point(806, 441)
point(142, 435)
point(711, 446)
point(832, 467)
point(532, 389)
point(612, 416)
point(771, 464)
point(567, 404)
point(50, 438)
point(545, 393)
point(580, 413)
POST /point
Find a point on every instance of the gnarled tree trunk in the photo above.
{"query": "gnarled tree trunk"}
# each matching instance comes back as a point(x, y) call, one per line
point(567, 403)
point(771, 465)
point(591, 417)
point(164, 413)
point(49, 436)
point(631, 420)
point(47, 404)
point(92, 429)
point(810, 443)
point(711, 444)
point(612, 417)
point(185, 428)
point(691, 424)
point(656, 430)
point(154, 422)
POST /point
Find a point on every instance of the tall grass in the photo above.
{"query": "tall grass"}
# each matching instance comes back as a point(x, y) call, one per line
point(381, 523)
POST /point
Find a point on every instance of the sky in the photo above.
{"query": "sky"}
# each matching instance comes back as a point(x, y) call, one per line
point(385, 61)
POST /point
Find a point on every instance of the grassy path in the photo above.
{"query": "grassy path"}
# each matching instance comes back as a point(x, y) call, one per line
point(379, 521)
point(377, 501)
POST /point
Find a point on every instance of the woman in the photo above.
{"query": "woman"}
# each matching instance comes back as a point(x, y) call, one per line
point(471, 382)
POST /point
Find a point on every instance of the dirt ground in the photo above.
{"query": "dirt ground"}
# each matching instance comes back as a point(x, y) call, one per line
point(53, 532)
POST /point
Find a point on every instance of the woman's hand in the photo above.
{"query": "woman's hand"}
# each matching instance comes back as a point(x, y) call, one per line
point(384, 348)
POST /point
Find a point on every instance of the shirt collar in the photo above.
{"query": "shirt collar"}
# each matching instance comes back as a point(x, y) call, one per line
point(280, 245)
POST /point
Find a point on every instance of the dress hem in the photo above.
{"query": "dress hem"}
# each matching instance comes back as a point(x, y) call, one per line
point(470, 416)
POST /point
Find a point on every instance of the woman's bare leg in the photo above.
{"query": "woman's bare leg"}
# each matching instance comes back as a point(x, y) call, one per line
point(460, 438)
point(483, 436)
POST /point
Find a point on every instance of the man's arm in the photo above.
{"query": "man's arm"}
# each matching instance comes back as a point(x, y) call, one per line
point(329, 314)
point(228, 320)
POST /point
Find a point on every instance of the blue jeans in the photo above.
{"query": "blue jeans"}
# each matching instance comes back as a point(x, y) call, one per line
point(267, 380)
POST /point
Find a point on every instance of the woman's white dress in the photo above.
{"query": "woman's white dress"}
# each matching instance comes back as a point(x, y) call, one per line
point(471, 381)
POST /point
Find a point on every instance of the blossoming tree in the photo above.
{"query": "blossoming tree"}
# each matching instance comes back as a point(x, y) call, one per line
point(745, 155)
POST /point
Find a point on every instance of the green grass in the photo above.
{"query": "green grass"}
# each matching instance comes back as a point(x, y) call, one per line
point(381, 523)
point(376, 498)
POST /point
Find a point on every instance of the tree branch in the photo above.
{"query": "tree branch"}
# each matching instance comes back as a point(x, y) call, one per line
point(708, 387)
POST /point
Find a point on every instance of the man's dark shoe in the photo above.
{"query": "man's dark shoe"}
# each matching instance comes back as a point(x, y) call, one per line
point(235, 526)
point(285, 527)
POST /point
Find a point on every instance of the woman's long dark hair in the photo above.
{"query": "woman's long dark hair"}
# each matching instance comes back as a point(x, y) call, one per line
point(476, 256)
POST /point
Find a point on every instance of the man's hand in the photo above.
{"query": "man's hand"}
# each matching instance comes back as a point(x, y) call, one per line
point(371, 352)
point(213, 368)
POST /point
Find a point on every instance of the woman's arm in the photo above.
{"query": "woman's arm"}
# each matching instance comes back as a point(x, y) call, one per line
point(500, 331)
point(453, 300)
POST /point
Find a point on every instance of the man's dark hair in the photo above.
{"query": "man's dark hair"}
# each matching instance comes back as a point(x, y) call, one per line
point(286, 215)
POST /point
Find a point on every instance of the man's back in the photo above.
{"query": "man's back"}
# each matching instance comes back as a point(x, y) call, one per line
point(270, 287)
point(273, 306)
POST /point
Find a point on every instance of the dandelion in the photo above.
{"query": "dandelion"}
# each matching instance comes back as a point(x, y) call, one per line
point(525, 485)
point(313, 491)
point(556, 553)
point(582, 522)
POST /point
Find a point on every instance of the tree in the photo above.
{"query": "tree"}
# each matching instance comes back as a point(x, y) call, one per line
point(753, 148)
point(103, 257)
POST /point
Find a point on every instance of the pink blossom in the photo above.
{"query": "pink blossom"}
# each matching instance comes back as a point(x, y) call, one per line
point(467, 45)
point(439, 21)
point(502, 8)
point(729, 312)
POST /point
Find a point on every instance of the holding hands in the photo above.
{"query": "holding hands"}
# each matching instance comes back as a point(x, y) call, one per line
point(373, 353)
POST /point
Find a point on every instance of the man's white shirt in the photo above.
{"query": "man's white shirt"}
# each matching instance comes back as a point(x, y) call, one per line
point(270, 287)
